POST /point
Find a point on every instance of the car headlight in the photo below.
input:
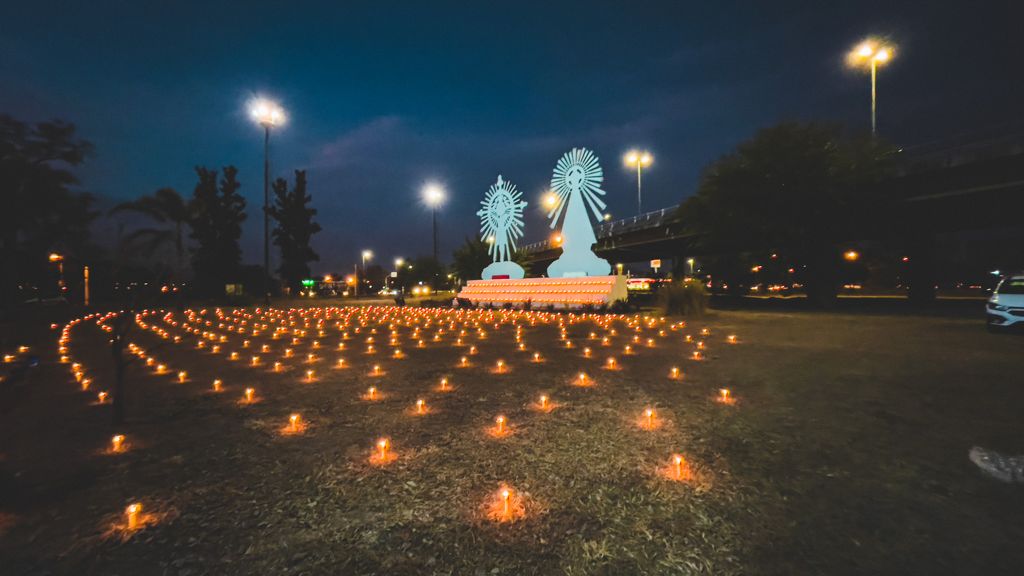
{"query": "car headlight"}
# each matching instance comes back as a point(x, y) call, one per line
point(994, 306)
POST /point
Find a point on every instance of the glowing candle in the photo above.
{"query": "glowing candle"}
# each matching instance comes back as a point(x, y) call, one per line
point(649, 414)
point(464, 361)
point(245, 344)
point(265, 348)
point(611, 362)
point(293, 422)
point(217, 385)
point(543, 402)
point(310, 357)
point(472, 349)
point(277, 366)
point(341, 362)
point(582, 378)
point(724, 395)
point(500, 421)
point(731, 338)
point(696, 354)
point(101, 397)
point(85, 383)
point(182, 376)
point(117, 443)
point(160, 369)
point(372, 393)
point(420, 406)
point(309, 375)
point(250, 393)
point(382, 446)
point(628, 350)
point(500, 365)
point(586, 352)
point(679, 462)
point(536, 356)
point(522, 347)
point(444, 384)
point(504, 497)
point(650, 342)
point(674, 373)
point(132, 513)
point(700, 345)
point(376, 369)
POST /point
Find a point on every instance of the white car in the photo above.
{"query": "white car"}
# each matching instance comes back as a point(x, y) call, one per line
point(1006, 306)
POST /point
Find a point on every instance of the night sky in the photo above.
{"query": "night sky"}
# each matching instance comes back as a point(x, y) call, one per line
point(384, 96)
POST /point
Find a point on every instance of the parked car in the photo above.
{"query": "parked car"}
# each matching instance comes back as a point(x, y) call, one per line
point(1005, 309)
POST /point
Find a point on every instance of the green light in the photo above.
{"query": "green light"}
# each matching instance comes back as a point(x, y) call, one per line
point(308, 283)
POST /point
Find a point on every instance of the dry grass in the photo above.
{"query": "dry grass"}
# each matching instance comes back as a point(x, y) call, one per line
point(813, 469)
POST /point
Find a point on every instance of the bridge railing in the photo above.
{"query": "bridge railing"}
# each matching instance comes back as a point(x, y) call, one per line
point(651, 219)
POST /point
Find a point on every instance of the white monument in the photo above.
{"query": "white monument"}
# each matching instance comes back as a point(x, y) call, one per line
point(576, 183)
point(501, 223)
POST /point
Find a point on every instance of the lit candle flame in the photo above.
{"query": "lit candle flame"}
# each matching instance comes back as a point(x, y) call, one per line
point(132, 512)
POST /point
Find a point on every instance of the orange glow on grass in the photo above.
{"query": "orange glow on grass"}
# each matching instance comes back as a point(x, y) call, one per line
point(649, 420)
point(500, 428)
point(382, 454)
point(296, 425)
point(544, 404)
point(504, 505)
point(725, 396)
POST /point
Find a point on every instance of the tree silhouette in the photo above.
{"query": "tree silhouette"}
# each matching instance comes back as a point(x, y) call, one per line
point(295, 227)
point(41, 213)
point(796, 189)
point(217, 214)
point(164, 206)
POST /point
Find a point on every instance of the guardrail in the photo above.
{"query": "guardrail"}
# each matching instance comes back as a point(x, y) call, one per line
point(651, 219)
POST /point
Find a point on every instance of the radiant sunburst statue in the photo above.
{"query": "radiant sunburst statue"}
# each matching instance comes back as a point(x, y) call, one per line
point(577, 185)
point(501, 223)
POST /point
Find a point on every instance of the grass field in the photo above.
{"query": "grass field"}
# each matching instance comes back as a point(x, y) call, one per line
point(845, 450)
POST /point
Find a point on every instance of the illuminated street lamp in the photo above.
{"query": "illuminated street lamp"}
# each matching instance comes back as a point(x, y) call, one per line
point(59, 261)
point(433, 197)
point(640, 160)
point(361, 275)
point(851, 255)
point(269, 115)
point(871, 53)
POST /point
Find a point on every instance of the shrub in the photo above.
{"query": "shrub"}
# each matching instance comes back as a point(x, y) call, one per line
point(686, 298)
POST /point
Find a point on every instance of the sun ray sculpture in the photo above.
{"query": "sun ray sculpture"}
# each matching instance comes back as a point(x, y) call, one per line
point(501, 223)
point(576, 182)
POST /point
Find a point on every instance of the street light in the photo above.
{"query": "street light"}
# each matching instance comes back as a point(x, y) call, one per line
point(640, 160)
point(433, 197)
point(871, 53)
point(59, 261)
point(268, 114)
point(690, 261)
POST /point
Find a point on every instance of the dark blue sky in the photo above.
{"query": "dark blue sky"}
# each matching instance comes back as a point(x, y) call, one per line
point(383, 96)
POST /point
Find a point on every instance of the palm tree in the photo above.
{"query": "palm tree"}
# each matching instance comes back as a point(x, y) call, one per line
point(164, 206)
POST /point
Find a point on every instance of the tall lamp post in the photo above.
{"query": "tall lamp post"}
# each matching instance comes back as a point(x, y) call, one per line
point(871, 54)
point(399, 262)
point(59, 261)
point(269, 115)
point(366, 255)
point(433, 197)
point(640, 160)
